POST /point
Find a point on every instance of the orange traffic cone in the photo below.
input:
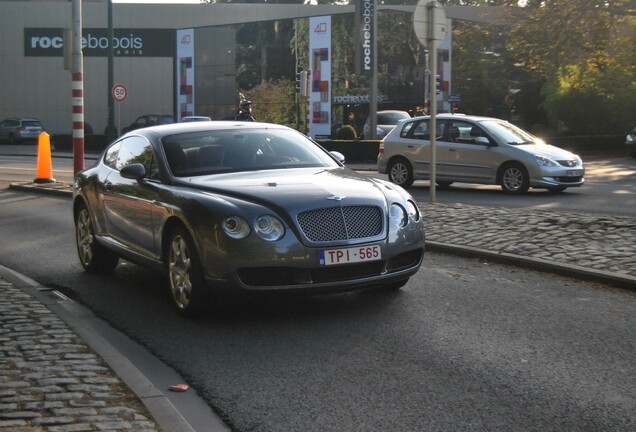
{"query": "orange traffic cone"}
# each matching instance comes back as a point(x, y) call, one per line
point(45, 167)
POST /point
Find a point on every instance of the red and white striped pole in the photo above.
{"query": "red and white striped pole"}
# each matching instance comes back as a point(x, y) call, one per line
point(78, 89)
point(78, 122)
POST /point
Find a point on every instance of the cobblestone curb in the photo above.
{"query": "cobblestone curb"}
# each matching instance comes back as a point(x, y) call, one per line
point(50, 380)
point(596, 244)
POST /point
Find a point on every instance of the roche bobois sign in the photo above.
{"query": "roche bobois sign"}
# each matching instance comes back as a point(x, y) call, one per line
point(364, 36)
point(49, 42)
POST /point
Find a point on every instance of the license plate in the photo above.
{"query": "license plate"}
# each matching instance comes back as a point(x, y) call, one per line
point(574, 173)
point(349, 255)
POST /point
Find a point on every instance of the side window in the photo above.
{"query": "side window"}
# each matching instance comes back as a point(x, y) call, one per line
point(459, 131)
point(476, 132)
point(415, 130)
point(110, 158)
point(421, 130)
point(464, 132)
point(408, 126)
point(136, 150)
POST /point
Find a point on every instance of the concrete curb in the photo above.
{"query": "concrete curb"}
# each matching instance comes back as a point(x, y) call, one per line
point(54, 188)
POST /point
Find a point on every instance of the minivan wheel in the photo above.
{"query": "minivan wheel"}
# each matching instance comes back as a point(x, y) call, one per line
point(401, 172)
point(514, 179)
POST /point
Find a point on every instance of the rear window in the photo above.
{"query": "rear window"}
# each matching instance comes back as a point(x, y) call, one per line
point(391, 118)
point(31, 123)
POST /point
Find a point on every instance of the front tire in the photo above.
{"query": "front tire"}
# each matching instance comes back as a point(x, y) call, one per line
point(514, 179)
point(185, 277)
point(94, 257)
point(401, 172)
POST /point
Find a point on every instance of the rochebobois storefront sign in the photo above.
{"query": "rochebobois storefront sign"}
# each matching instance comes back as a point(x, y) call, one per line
point(49, 42)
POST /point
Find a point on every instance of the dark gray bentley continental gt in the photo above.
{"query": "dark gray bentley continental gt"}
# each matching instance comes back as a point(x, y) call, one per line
point(241, 205)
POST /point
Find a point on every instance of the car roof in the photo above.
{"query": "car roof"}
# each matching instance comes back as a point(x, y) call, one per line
point(174, 128)
point(446, 116)
point(22, 118)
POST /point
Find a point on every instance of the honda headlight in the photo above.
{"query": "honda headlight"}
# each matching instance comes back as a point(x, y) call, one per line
point(545, 161)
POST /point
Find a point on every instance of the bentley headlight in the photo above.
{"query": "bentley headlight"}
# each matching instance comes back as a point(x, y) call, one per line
point(269, 227)
point(398, 216)
point(545, 161)
point(413, 211)
point(236, 227)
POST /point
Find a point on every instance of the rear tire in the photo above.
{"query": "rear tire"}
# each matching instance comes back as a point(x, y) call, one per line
point(401, 172)
point(188, 289)
point(94, 257)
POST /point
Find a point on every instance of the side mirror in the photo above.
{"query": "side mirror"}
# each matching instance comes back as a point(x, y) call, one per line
point(483, 140)
point(135, 171)
point(338, 156)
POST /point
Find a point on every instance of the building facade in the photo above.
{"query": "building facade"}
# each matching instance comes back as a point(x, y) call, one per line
point(36, 84)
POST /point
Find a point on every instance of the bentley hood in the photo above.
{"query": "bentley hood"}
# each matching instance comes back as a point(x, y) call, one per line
point(297, 187)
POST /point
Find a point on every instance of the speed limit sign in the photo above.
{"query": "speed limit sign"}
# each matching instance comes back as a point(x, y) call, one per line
point(119, 92)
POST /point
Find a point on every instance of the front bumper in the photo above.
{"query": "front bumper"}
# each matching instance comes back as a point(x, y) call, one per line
point(345, 277)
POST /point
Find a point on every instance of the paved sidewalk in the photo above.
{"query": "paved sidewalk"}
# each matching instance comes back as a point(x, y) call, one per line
point(51, 380)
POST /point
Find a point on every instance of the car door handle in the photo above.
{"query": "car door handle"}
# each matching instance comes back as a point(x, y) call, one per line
point(451, 149)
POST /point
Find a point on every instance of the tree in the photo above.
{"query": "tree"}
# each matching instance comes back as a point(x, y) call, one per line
point(273, 101)
point(584, 50)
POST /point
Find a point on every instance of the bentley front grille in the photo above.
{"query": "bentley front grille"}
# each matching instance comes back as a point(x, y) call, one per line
point(341, 223)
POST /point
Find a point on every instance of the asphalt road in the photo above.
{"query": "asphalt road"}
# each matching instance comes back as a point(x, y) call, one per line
point(467, 345)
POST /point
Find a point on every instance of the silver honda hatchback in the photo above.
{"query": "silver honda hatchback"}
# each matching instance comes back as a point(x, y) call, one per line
point(471, 149)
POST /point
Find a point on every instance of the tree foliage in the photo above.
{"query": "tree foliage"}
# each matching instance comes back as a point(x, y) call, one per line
point(273, 101)
point(584, 50)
